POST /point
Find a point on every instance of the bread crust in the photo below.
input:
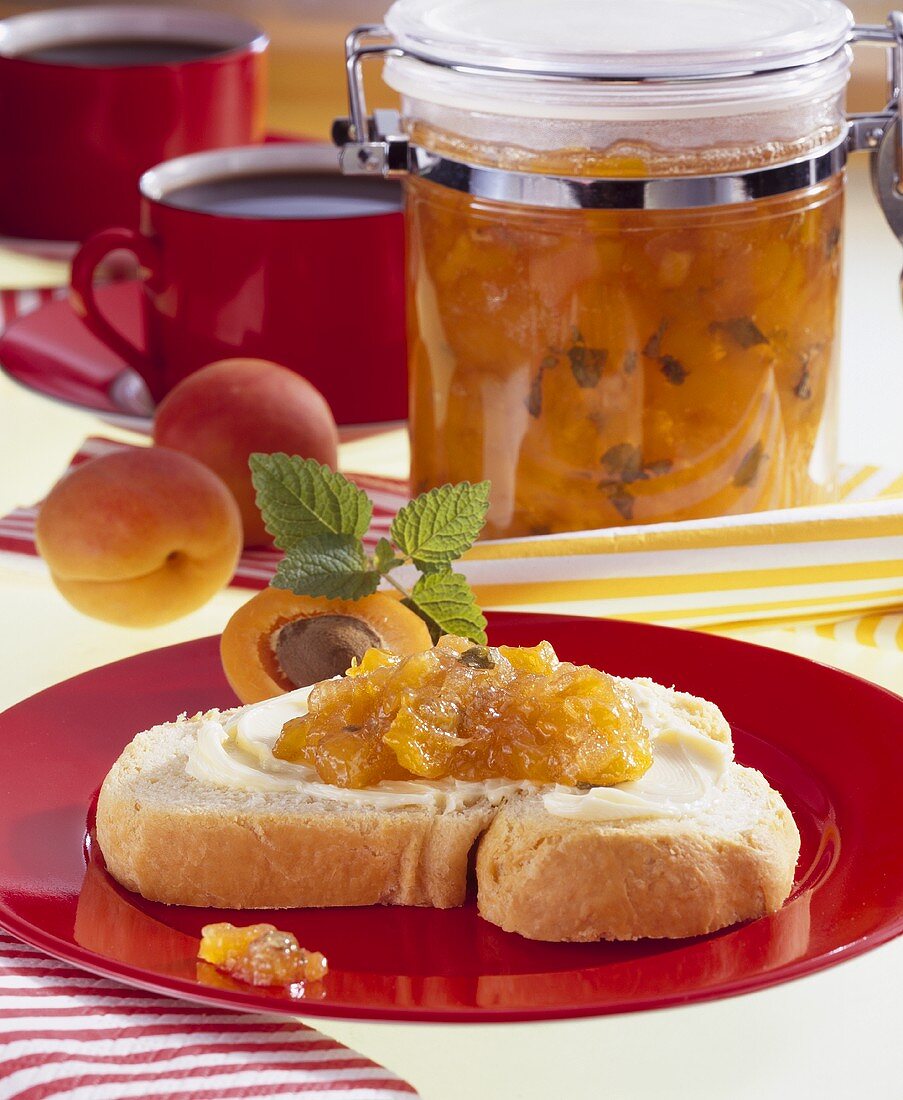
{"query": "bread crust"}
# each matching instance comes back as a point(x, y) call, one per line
point(177, 840)
point(548, 878)
point(261, 861)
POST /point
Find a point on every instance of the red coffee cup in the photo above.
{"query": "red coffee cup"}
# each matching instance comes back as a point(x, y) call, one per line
point(75, 136)
point(321, 292)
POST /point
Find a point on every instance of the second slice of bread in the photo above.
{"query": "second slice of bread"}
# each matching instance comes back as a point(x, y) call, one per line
point(659, 877)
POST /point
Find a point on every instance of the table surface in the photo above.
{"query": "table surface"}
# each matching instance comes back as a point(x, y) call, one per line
point(833, 1035)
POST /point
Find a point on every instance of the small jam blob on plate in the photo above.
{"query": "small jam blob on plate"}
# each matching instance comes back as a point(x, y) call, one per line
point(260, 955)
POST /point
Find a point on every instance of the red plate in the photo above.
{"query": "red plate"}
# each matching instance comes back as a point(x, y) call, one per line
point(828, 741)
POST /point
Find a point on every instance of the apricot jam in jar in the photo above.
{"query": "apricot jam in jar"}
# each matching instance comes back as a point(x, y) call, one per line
point(624, 235)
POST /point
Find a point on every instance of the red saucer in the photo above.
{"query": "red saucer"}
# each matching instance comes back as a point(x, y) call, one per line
point(828, 741)
point(51, 352)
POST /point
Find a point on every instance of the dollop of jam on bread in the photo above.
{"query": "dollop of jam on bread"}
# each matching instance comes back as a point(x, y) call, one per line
point(470, 712)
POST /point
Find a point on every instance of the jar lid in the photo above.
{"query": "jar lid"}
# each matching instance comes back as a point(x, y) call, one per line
point(621, 39)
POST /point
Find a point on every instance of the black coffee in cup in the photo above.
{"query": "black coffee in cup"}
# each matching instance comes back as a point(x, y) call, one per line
point(288, 195)
point(117, 52)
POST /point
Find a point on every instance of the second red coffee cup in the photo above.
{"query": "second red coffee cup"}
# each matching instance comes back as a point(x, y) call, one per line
point(92, 97)
point(268, 252)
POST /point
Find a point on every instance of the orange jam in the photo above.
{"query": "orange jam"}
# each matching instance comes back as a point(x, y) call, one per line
point(469, 712)
point(610, 367)
point(260, 955)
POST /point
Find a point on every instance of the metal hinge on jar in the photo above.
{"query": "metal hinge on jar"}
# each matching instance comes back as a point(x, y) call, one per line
point(881, 134)
point(370, 145)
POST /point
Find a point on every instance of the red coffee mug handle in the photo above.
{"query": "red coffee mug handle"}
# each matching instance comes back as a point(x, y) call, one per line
point(84, 299)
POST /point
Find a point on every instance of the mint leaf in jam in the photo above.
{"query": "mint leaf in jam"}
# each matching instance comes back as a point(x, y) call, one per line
point(299, 498)
point(652, 349)
point(334, 566)
point(748, 469)
point(742, 330)
point(623, 462)
point(587, 364)
point(623, 465)
point(437, 527)
point(832, 241)
point(447, 605)
point(803, 387)
point(534, 397)
point(673, 370)
point(621, 499)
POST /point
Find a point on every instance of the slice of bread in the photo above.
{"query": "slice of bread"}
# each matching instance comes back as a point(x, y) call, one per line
point(550, 878)
point(176, 839)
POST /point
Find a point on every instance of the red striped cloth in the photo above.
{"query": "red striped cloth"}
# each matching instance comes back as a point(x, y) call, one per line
point(16, 303)
point(255, 566)
point(65, 1033)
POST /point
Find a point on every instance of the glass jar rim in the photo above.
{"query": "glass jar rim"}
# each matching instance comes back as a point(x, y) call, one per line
point(600, 100)
point(605, 39)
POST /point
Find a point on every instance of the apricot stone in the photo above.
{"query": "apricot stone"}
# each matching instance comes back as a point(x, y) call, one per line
point(139, 537)
point(228, 410)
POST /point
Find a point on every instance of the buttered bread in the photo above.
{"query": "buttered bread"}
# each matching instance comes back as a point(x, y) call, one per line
point(204, 811)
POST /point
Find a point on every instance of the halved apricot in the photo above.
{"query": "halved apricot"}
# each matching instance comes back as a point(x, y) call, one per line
point(278, 641)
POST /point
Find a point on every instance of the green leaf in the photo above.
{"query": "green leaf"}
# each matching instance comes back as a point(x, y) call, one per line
point(653, 346)
point(624, 462)
point(299, 498)
point(587, 365)
point(748, 469)
point(440, 525)
point(534, 396)
point(803, 387)
point(385, 556)
point(447, 605)
point(329, 565)
point(620, 496)
point(742, 330)
point(673, 370)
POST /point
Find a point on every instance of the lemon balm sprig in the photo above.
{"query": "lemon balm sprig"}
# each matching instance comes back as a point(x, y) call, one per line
point(319, 517)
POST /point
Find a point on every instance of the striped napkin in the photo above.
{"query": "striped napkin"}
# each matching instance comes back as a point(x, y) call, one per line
point(65, 1033)
point(16, 303)
point(837, 569)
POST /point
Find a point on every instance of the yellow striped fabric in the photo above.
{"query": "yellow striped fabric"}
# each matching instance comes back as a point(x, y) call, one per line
point(835, 569)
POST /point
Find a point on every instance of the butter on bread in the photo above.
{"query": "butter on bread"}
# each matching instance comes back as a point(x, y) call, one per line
point(176, 839)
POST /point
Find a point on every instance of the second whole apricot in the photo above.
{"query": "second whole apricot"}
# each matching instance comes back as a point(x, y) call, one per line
point(225, 412)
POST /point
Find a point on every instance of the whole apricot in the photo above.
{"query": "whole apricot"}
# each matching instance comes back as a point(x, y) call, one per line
point(228, 410)
point(139, 537)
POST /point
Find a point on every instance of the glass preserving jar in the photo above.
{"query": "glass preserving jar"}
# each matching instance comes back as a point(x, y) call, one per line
point(624, 235)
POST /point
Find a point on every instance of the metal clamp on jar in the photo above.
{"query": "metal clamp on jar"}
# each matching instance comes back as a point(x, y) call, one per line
point(624, 233)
